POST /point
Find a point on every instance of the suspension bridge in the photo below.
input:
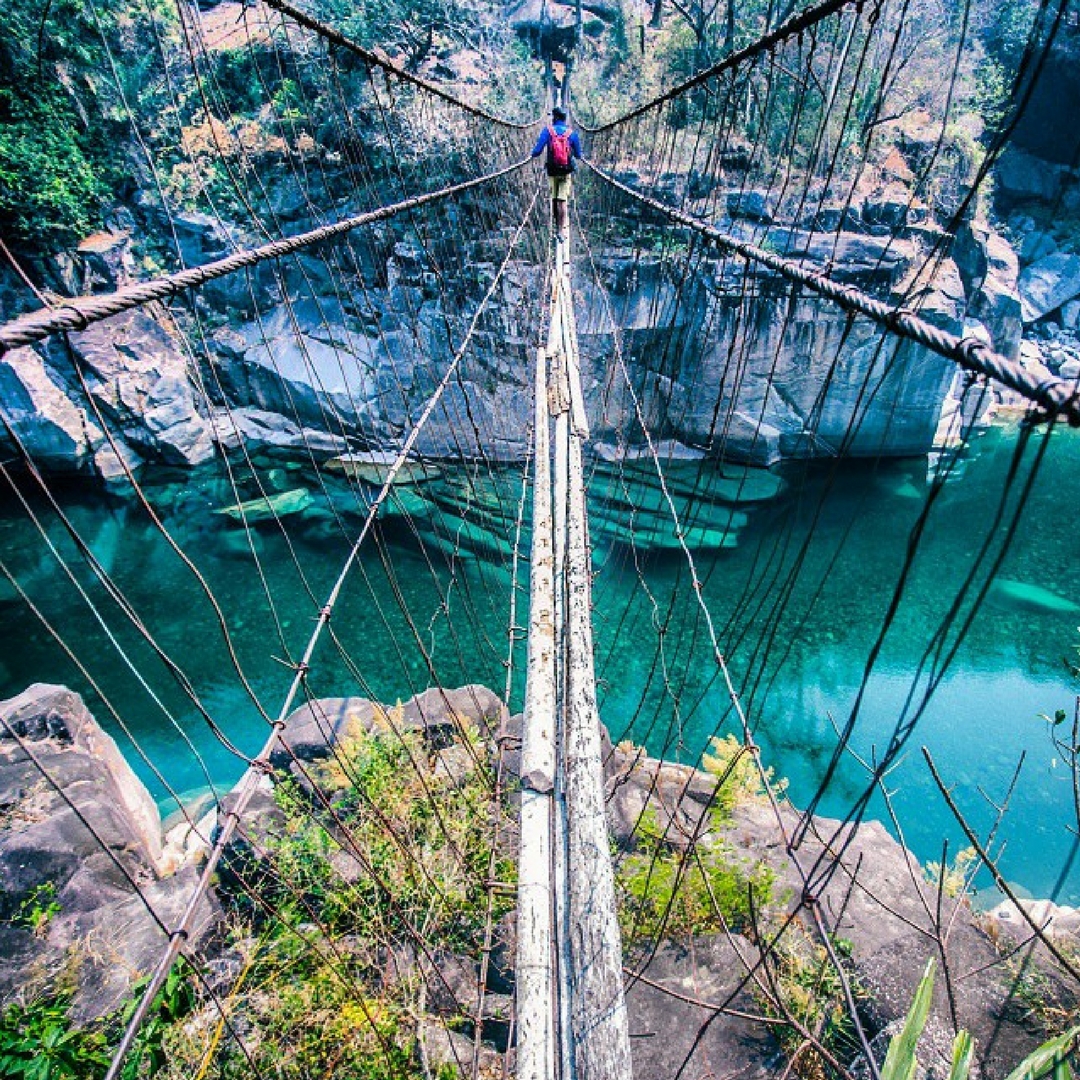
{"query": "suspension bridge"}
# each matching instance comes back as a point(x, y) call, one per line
point(662, 173)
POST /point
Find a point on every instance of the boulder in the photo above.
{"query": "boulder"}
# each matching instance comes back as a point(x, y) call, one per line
point(1037, 245)
point(440, 713)
point(57, 716)
point(304, 361)
point(753, 205)
point(678, 798)
point(475, 424)
point(1047, 284)
point(107, 261)
point(890, 207)
point(200, 238)
point(248, 862)
point(836, 217)
point(80, 854)
point(259, 431)
point(996, 301)
point(449, 1053)
point(56, 433)
point(1023, 177)
point(1057, 921)
point(886, 917)
point(675, 1026)
point(139, 379)
point(312, 730)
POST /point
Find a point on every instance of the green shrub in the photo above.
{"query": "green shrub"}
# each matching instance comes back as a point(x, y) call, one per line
point(39, 1042)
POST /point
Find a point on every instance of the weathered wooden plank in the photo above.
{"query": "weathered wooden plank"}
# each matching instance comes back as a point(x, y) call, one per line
point(535, 981)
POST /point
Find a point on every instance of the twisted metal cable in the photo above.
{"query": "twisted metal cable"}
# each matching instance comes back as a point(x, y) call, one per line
point(1058, 397)
point(335, 37)
point(793, 27)
point(79, 313)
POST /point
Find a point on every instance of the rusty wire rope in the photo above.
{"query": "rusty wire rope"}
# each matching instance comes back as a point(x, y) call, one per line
point(1058, 397)
point(373, 59)
point(81, 312)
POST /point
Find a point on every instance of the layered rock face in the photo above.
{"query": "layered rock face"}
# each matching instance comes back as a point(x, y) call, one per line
point(341, 349)
point(755, 374)
point(113, 396)
point(747, 373)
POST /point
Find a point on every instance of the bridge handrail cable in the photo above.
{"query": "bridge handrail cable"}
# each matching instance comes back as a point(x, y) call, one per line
point(81, 312)
point(788, 29)
point(1059, 397)
point(374, 59)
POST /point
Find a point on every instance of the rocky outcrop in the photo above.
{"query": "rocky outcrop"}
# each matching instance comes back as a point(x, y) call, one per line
point(46, 423)
point(873, 894)
point(314, 729)
point(1048, 284)
point(989, 269)
point(793, 375)
point(310, 363)
point(674, 1020)
point(118, 393)
point(80, 858)
point(78, 822)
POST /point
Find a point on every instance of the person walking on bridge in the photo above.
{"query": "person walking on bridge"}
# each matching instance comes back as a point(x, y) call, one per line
point(563, 149)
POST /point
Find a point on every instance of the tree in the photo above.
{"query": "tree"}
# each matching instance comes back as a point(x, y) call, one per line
point(62, 132)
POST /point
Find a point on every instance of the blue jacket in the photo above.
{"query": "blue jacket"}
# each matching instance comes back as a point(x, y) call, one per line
point(561, 128)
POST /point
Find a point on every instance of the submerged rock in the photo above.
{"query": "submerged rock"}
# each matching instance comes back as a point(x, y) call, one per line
point(373, 466)
point(1027, 597)
point(280, 505)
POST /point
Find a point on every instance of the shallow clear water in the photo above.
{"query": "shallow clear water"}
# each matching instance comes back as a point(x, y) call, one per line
point(798, 605)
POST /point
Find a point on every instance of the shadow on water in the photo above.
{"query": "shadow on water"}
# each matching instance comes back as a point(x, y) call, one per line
point(798, 572)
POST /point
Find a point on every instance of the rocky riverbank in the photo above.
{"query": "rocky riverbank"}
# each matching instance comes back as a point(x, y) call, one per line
point(89, 881)
point(308, 372)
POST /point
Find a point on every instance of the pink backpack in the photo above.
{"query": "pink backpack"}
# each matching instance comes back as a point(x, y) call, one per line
point(559, 154)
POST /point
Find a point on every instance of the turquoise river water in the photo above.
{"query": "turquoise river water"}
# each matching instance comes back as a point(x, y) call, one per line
point(798, 604)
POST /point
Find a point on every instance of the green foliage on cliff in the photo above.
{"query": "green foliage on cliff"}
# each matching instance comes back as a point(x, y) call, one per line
point(39, 1042)
point(383, 868)
point(63, 128)
point(674, 885)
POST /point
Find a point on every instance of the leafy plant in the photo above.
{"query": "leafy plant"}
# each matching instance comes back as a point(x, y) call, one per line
point(400, 855)
point(39, 1042)
point(900, 1060)
point(1049, 1060)
point(811, 992)
point(954, 875)
point(176, 1000)
point(63, 128)
point(38, 909)
point(738, 771)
